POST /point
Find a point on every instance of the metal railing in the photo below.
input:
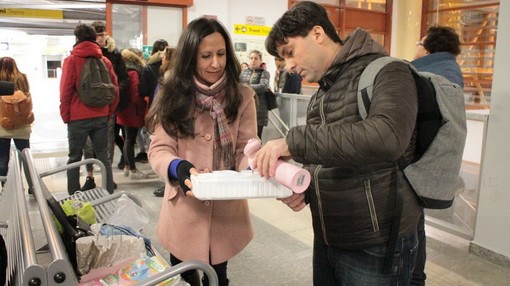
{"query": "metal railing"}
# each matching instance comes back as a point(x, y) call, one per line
point(23, 267)
point(60, 271)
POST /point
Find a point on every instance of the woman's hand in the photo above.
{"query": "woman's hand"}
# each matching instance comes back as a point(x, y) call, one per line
point(187, 182)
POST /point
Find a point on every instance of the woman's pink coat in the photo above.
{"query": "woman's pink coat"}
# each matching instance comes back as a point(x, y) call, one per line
point(189, 228)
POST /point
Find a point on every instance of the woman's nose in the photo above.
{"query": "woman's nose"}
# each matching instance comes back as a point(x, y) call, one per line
point(214, 62)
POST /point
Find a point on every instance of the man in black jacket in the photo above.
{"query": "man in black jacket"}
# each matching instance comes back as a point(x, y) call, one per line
point(107, 45)
point(364, 212)
point(150, 77)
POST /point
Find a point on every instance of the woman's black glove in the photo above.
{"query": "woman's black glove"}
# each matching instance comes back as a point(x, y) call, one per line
point(183, 174)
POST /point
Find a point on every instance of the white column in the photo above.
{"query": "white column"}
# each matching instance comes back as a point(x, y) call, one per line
point(405, 31)
point(492, 233)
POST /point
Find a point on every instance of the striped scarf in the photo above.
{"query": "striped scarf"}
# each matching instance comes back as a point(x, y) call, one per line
point(210, 98)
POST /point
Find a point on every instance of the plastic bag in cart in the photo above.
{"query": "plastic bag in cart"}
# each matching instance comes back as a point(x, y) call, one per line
point(128, 213)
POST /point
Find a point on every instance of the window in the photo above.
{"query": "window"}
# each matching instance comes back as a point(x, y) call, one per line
point(476, 23)
point(52, 67)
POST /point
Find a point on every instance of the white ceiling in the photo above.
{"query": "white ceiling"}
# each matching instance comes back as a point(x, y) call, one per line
point(74, 12)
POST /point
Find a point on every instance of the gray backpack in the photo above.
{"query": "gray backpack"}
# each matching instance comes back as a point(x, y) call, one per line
point(96, 88)
point(441, 133)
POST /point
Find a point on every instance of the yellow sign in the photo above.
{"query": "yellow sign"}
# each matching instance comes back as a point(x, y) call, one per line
point(253, 30)
point(32, 13)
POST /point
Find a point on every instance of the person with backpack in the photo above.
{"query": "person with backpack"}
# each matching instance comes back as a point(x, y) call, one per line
point(132, 117)
point(14, 126)
point(364, 211)
point(107, 45)
point(435, 53)
point(85, 120)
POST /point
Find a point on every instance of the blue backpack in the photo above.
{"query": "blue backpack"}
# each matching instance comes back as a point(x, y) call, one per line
point(441, 133)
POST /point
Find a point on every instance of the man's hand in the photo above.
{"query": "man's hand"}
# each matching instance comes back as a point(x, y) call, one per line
point(296, 201)
point(265, 159)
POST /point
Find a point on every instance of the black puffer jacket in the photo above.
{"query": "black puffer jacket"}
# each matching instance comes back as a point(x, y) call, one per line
point(353, 162)
point(150, 76)
point(110, 51)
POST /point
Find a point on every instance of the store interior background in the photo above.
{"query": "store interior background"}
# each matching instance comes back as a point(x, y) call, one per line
point(486, 225)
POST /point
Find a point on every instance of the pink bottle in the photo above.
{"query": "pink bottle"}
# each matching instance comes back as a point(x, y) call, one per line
point(287, 174)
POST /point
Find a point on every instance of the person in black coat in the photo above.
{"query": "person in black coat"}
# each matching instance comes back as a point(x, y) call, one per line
point(284, 81)
point(151, 72)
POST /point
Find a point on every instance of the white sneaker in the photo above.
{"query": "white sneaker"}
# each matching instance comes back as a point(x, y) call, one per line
point(126, 172)
point(137, 175)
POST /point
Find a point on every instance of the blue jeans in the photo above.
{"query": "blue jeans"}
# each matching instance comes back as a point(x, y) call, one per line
point(77, 133)
point(364, 267)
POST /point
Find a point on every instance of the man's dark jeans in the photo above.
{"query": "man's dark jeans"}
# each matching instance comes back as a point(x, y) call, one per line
point(364, 267)
point(419, 276)
point(77, 133)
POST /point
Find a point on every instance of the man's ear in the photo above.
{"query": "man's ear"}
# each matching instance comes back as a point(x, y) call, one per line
point(318, 34)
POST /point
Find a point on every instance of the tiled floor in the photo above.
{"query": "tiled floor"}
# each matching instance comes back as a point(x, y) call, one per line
point(281, 251)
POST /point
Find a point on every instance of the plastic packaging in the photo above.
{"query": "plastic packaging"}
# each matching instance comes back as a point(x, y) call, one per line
point(128, 213)
point(231, 185)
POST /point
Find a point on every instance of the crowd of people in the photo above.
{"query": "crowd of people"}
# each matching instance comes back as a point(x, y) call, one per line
point(200, 106)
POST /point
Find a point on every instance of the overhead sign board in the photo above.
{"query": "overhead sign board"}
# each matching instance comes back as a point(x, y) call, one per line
point(253, 30)
point(32, 13)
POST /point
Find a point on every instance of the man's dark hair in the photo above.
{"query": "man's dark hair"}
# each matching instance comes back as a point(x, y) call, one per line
point(85, 32)
point(442, 39)
point(99, 26)
point(159, 45)
point(299, 21)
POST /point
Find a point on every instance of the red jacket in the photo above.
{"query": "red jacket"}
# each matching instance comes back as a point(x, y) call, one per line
point(71, 107)
point(133, 115)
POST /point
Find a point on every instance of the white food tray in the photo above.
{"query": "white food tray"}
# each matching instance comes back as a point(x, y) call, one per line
point(232, 185)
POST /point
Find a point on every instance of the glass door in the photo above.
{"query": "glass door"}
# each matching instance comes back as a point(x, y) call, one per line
point(136, 26)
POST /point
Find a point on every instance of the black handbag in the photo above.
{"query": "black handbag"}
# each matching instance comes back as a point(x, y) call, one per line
point(73, 228)
point(270, 99)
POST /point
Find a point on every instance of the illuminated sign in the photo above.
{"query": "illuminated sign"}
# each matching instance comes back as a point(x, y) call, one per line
point(32, 13)
point(253, 30)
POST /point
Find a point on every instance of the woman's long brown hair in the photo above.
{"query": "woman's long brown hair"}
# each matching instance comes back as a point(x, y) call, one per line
point(9, 72)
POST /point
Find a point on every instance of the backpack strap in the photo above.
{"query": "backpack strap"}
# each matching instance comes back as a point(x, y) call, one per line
point(365, 91)
point(367, 80)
